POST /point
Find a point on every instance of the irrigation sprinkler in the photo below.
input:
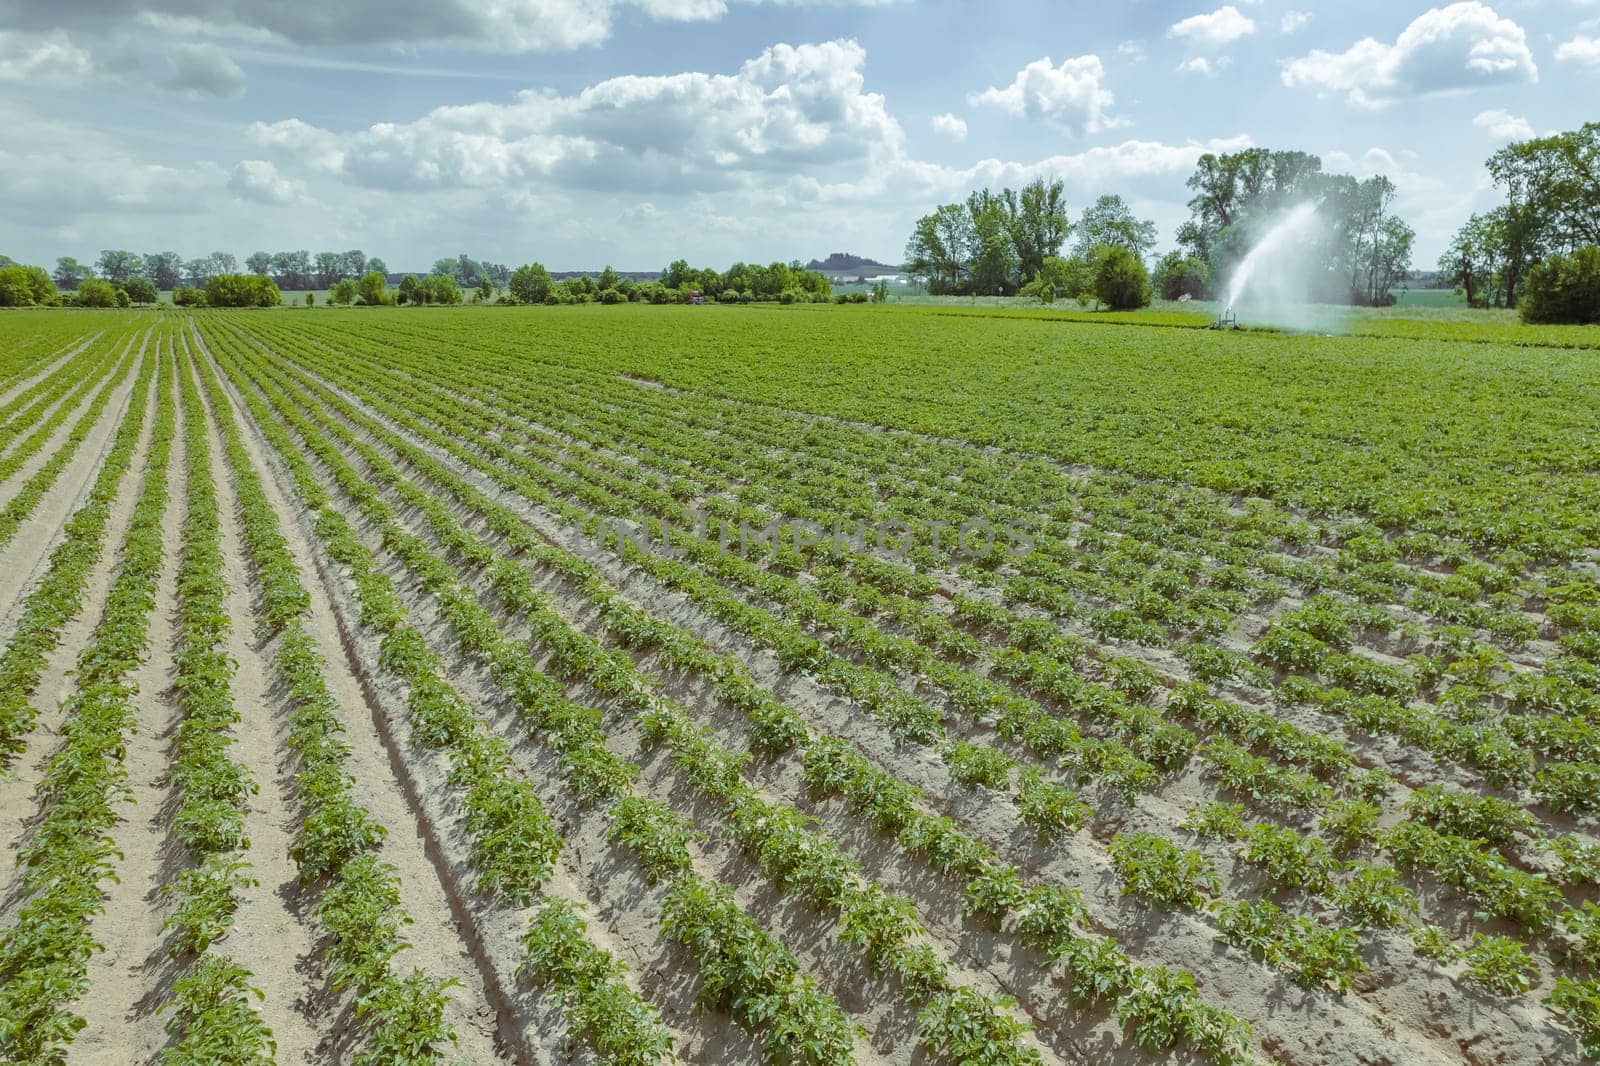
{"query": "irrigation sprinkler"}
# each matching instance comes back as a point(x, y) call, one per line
point(1226, 320)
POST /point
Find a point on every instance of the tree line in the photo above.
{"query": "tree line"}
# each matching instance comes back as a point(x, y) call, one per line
point(678, 283)
point(1539, 251)
point(1017, 241)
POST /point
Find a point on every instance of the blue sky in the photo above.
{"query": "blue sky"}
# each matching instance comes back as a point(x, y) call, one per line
point(631, 132)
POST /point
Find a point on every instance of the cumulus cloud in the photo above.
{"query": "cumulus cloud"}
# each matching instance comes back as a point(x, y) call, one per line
point(57, 170)
point(1294, 21)
point(1070, 96)
point(790, 108)
point(490, 25)
point(1459, 47)
point(1503, 124)
point(1582, 49)
point(1222, 26)
point(951, 126)
point(43, 59)
point(203, 70)
point(258, 181)
point(1206, 68)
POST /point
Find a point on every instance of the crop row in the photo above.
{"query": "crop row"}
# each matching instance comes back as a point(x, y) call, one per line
point(58, 596)
point(70, 851)
point(515, 843)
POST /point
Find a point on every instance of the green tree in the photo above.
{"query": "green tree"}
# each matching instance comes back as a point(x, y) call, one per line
point(344, 291)
point(1472, 261)
point(198, 270)
point(939, 247)
point(1120, 280)
point(141, 290)
point(440, 289)
point(70, 273)
point(1564, 288)
point(530, 283)
point(97, 292)
point(1109, 220)
point(242, 290)
point(164, 269)
point(22, 286)
point(1178, 275)
point(607, 279)
point(259, 263)
point(118, 266)
point(1038, 224)
point(223, 263)
point(410, 290)
point(373, 288)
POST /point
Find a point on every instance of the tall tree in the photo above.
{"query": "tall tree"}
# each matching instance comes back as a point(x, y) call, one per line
point(939, 247)
point(992, 257)
point(223, 263)
point(164, 269)
point(329, 268)
point(1038, 224)
point(353, 264)
point(1109, 220)
point(70, 273)
point(198, 270)
point(119, 267)
point(259, 263)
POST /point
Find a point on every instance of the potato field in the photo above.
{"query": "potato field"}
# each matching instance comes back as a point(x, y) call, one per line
point(799, 685)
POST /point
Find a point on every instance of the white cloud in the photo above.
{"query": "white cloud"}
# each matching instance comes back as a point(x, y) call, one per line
point(1133, 51)
point(1206, 68)
point(951, 126)
point(203, 70)
point(1294, 21)
point(489, 25)
point(1581, 49)
point(1220, 27)
point(790, 109)
point(258, 180)
point(300, 142)
point(1459, 47)
point(1070, 96)
point(1503, 124)
point(43, 59)
point(57, 172)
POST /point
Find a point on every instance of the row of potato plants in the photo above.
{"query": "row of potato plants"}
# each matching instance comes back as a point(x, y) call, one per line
point(729, 437)
point(212, 1015)
point(44, 432)
point(963, 1021)
point(336, 843)
point(515, 842)
point(992, 890)
point(58, 597)
point(24, 409)
point(960, 749)
point(70, 851)
point(32, 491)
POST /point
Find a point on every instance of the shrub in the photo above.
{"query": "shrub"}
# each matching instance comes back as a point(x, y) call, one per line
point(242, 290)
point(1120, 280)
point(344, 292)
point(21, 286)
point(1563, 288)
point(93, 292)
point(188, 296)
point(141, 290)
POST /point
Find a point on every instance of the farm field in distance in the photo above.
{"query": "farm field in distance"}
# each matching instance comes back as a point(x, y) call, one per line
point(814, 684)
